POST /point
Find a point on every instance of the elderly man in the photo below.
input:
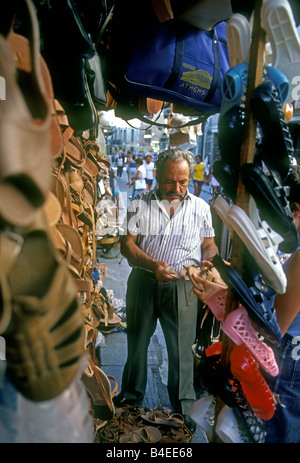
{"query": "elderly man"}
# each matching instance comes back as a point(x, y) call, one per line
point(167, 229)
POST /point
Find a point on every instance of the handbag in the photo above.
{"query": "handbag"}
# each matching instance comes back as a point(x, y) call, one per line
point(66, 51)
point(95, 81)
point(169, 61)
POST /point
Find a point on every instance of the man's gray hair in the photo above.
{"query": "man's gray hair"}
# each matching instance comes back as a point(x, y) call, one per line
point(176, 155)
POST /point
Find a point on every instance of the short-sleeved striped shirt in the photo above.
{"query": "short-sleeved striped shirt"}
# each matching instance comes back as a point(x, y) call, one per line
point(176, 240)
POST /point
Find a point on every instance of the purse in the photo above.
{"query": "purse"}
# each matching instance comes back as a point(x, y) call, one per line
point(66, 51)
point(95, 81)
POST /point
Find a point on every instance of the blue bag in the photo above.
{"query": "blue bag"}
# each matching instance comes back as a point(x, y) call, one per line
point(178, 63)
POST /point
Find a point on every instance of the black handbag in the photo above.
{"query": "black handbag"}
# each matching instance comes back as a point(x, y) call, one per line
point(66, 47)
point(95, 81)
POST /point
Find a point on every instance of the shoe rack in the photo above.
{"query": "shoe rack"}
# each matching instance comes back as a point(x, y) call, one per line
point(256, 62)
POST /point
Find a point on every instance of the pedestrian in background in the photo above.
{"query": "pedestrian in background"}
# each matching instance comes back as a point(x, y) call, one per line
point(198, 176)
point(139, 179)
point(120, 163)
point(150, 171)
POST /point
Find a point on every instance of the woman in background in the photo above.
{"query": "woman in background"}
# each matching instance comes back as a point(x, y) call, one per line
point(198, 176)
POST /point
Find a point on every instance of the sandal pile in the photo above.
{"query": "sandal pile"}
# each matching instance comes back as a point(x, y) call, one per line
point(51, 309)
point(132, 424)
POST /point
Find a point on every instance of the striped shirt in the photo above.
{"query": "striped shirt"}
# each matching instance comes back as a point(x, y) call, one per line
point(176, 240)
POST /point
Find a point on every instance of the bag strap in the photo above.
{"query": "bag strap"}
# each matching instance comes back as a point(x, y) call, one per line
point(196, 121)
point(105, 24)
point(179, 49)
point(217, 69)
point(115, 94)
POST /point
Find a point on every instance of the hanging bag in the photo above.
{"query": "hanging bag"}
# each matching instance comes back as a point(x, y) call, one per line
point(170, 61)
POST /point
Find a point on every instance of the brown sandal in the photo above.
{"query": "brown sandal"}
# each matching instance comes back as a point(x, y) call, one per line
point(145, 435)
point(209, 282)
point(25, 133)
point(99, 389)
point(45, 333)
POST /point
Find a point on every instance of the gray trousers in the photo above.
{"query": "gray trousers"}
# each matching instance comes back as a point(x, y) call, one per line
point(175, 305)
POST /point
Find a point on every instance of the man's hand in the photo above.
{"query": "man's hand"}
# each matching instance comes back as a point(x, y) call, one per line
point(162, 271)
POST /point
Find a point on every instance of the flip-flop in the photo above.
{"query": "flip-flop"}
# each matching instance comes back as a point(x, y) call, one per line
point(234, 85)
point(218, 380)
point(261, 241)
point(261, 245)
point(238, 327)
point(203, 413)
point(231, 127)
point(255, 387)
point(279, 24)
point(227, 177)
point(236, 426)
point(262, 315)
point(238, 39)
point(271, 198)
point(277, 144)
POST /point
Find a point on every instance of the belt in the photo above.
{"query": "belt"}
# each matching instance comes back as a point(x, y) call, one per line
point(146, 273)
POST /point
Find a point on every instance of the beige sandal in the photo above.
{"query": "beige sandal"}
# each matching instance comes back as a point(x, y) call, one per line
point(208, 281)
point(44, 335)
point(25, 133)
point(98, 386)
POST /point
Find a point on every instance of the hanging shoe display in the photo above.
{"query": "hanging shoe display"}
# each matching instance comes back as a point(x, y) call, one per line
point(262, 315)
point(277, 144)
point(261, 242)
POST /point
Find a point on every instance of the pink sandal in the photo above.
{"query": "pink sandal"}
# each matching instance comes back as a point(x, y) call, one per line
point(238, 327)
point(217, 303)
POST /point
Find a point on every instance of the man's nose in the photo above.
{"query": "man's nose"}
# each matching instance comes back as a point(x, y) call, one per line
point(177, 187)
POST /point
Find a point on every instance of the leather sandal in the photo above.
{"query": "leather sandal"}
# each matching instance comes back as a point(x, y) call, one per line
point(207, 280)
point(75, 152)
point(161, 417)
point(69, 242)
point(52, 209)
point(174, 435)
point(145, 435)
point(98, 386)
point(24, 127)
point(44, 334)
point(21, 49)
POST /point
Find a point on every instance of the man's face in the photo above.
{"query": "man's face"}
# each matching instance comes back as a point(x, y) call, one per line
point(174, 180)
